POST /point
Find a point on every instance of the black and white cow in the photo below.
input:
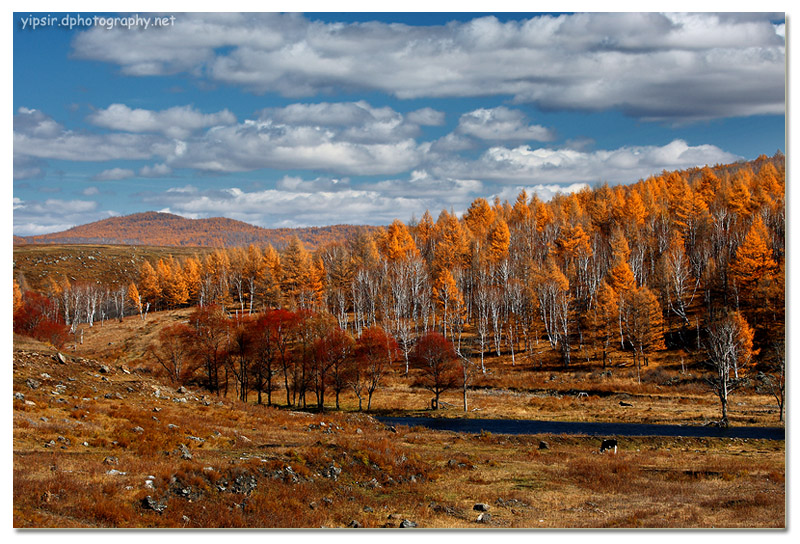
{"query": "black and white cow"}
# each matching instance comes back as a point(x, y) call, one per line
point(608, 444)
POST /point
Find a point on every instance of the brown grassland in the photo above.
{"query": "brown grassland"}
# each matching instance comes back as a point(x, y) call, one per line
point(102, 441)
point(108, 264)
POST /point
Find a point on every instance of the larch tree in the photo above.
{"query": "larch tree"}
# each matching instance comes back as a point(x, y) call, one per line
point(295, 268)
point(497, 242)
point(479, 217)
point(604, 316)
point(255, 268)
point(148, 285)
point(424, 236)
point(451, 243)
point(730, 348)
point(643, 326)
point(396, 243)
point(753, 260)
point(135, 299)
point(449, 298)
point(192, 275)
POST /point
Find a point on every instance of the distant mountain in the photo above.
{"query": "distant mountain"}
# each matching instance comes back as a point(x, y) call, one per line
point(166, 229)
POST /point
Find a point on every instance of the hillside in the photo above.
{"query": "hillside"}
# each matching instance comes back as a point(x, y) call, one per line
point(102, 442)
point(165, 229)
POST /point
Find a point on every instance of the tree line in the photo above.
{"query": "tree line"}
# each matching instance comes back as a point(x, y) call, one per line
point(635, 269)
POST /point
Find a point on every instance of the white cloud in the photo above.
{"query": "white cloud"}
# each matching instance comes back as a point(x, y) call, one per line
point(426, 116)
point(155, 171)
point(114, 174)
point(566, 166)
point(37, 135)
point(33, 217)
point(273, 207)
point(544, 192)
point(176, 122)
point(361, 150)
point(500, 124)
point(298, 184)
point(667, 67)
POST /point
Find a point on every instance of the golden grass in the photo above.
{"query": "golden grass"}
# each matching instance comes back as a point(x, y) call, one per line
point(432, 478)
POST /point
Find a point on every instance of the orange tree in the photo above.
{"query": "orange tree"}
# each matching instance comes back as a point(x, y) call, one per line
point(730, 348)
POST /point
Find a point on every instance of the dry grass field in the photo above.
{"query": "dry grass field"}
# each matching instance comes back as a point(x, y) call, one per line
point(101, 441)
point(90, 263)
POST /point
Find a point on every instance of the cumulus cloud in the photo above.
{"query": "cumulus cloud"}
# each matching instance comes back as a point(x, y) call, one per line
point(114, 174)
point(346, 138)
point(33, 217)
point(155, 171)
point(666, 67)
point(295, 183)
point(501, 123)
point(176, 122)
point(282, 208)
point(37, 135)
point(565, 166)
point(380, 144)
point(544, 192)
point(426, 116)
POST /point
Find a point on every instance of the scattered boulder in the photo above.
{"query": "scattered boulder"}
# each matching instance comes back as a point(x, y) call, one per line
point(244, 483)
point(110, 461)
point(186, 455)
point(481, 507)
point(368, 509)
point(45, 376)
point(149, 503)
point(623, 403)
point(407, 524)
point(19, 396)
point(544, 445)
point(59, 357)
point(115, 472)
point(446, 509)
point(137, 429)
point(332, 472)
point(485, 517)
point(511, 503)
point(33, 384)
point(104, 369)
point(354, 524)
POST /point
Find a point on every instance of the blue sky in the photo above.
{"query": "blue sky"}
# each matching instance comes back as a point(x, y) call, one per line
point(297, 120)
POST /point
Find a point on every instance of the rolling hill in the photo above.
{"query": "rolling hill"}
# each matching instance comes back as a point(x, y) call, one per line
point(165, 229)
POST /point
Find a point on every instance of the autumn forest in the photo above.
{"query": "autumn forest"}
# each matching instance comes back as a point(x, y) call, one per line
point(682, 266)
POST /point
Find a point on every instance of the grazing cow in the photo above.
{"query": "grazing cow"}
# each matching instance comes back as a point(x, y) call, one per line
point(608, 444)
